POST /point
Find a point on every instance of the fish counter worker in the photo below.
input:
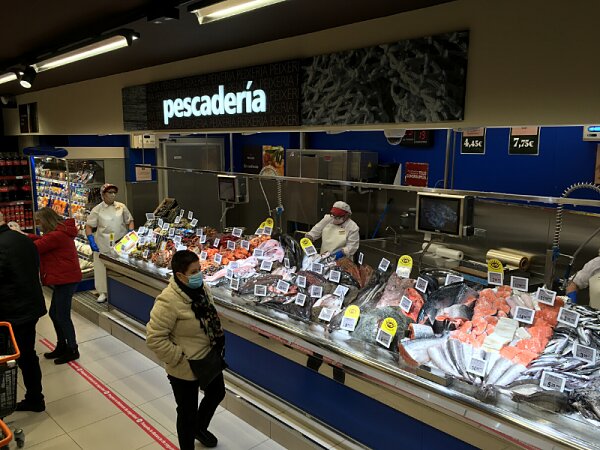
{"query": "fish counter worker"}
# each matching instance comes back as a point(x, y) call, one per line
point(112, 220)
point(588, 276)
point(338, 232)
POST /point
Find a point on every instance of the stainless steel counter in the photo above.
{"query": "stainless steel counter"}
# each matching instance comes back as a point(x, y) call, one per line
point(378, 371)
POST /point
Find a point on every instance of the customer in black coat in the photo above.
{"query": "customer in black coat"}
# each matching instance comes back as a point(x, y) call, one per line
point(22, 304)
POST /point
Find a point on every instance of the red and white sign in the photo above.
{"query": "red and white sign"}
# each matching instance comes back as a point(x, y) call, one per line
point(416, 174)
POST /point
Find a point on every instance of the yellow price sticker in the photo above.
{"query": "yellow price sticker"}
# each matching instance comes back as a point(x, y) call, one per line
point(263, 224)
point(269, 223)
point(405, 261)
point(305, 242)
point(495, 265)
point(352, 312)
point(390, 326)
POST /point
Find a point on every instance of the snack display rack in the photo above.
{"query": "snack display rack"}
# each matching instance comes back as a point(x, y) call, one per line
point(15, 190)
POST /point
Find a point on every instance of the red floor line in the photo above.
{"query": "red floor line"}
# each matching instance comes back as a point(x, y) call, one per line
point(120, 404)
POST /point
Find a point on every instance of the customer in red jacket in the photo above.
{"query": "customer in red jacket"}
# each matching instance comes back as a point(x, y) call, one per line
point(59, 268)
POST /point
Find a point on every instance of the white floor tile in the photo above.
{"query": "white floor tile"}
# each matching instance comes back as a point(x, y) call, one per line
point(48, 366)
point(120, 366)
point(269, 444)
point(101, 348)
point(234, 433)
point(162, 410)
point(149, 420)
point(79, 410)
point(62, 384)
point(63, 442)
point(115, 432)
point(38, 427)
point(143, 387)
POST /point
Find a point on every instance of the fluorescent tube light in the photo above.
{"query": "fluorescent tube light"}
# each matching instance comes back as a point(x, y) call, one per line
point(88, 51)
point(227, 8)
point(7, 77)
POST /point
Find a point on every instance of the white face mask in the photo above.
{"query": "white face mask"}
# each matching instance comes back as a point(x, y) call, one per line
point(339, 220)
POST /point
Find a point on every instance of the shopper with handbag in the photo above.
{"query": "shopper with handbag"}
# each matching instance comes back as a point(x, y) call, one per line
point(186, 334)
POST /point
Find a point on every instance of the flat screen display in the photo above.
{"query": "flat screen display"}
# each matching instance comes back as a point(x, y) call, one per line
point(227, 190)
point(439, 214)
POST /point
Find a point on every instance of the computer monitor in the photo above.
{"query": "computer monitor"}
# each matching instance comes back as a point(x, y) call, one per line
point(447, 214)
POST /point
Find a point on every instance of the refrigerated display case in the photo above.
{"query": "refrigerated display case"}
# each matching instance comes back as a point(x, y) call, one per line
point(15, 190)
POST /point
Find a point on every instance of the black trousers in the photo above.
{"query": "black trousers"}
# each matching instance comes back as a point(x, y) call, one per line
point(190, 416)
point(60, 313)
point(314, 362)
point(28, 361)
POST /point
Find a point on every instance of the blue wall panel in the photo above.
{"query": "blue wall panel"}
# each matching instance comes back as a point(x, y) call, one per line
point(134, 303)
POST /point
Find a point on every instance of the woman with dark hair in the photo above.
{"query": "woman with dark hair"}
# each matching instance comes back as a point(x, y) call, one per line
point(184, 326)
point(59, 268)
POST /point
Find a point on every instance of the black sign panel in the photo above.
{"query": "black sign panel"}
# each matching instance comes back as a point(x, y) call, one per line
point(252, 159)
point(473, 142)
point(524, 141)
point(260, 96)
point(417, 138)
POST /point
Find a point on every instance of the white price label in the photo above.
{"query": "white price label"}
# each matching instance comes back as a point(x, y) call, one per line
point(495, 278)
point(218, 258)
point(553, 382)
point(258, 253)
point(286, 263)
point(301, 281)
point(316, 291)
point(245, 245)
point(177, 219)
point(194, 222)
point(267, 231)
point(283, 286)
point(237, 232)
point(266, 265)
point(519, 283)
point(525, 315)
point(335, 276)
point(141, 231)
point(216, 242)
point(348, 323)
point(546, 296)
point(145, 254)
point(160, 222)
point(181, 212)
point(190, 215)
point(300, 299)
point(203, 256)
point(310, 250)
point(568, 317)
point(181, 247)
point(259, 231)
point(229, 274)
point(230, 245)
point(384, 264)
point(403, 272)
point(177, 239)
point(234, 283)
point(203, 239)
point(453, 279)
point(260, 290)
point(171, 232)
point(341, 291)
point(234, 265)
point(199, 232)
point(317, 268)
point(477, 366)
point(149, 216)
point(165, 226)
point(154, 237)
point(421, 284)
point(384, 338)
point(584, 353)
point(361, 258)
point(326, 314)
point(405, 304)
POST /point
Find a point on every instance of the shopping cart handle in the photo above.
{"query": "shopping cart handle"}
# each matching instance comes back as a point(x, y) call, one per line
point(5, 358)
point(6, 433)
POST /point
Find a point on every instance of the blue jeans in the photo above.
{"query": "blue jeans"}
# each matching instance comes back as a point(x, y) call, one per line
point(60, 313)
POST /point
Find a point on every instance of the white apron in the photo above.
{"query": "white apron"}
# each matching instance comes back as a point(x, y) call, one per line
point(333, 238)
point(595, 291)
point(111, 228)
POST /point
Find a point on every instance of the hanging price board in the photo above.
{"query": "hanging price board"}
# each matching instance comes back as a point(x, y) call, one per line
point(519, 283)
point(283, 286)
point(553, 382)
point(546, 296)
point(453, 279)
point(317, 268)
point(300, 299)
point(350, 318)
point(218, 258)
point(245, 245)
point(266, 265)
point(216, 242)
point(384, 265)
point(404, 266)
point(301, 281)
point(335, 276)
point(525, 315)
point(421, 285)
point(260, 290)
point(308, 247)
point(316, 291)
point(387, 331)
point(524, 141)
point(237, 232)
point(259, 231)
point(473, 142)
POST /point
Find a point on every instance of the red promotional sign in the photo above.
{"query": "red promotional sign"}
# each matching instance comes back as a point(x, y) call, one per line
point(416, 174)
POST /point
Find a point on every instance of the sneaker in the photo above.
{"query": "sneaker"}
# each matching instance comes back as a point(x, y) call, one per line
point(101, 298)
point(27, 405)
point(59, 350)
point(206, 438)
point(67, 356)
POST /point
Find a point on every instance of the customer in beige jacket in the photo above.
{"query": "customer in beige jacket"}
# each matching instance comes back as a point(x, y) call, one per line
point(184, 325)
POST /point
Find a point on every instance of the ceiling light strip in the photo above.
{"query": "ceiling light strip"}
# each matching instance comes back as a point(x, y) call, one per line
point(227, 8)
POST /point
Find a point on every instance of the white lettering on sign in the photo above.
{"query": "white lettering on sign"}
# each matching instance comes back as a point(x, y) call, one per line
point(553, 382)
point(310, 250)
point(229, 273)
point(546, 296)
point(149, 216)
point(191, 215)
point(177, 239)
point(203, 239)
point(267, 231)
point(524, 315)
point(243, 102)
point(258, 253)
point(194, 222)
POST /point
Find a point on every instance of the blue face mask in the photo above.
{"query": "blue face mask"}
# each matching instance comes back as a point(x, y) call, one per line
point(195, 281)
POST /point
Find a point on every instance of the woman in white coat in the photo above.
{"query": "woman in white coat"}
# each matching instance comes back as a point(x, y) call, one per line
point(338, 232)
point(112, 220)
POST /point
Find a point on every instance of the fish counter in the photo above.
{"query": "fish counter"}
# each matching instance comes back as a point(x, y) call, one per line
point(520, 366)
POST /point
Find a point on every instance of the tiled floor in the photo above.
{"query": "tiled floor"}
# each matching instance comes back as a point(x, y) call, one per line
point(78, 416)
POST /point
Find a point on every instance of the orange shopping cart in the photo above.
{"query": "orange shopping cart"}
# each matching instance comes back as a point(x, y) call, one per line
point(9, 353)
